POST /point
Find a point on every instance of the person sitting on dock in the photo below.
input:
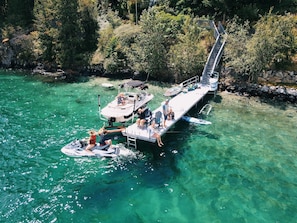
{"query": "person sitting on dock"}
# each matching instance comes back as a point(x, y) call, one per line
point(92, 140)
point(167, 112)
point(144, 117)
point(141, 117)
point(153, 133)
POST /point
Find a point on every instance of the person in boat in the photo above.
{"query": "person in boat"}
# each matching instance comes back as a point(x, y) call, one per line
point(121, 99)
point(104, 138)
point(155, 134)
point(92, 140)
point(167, 112)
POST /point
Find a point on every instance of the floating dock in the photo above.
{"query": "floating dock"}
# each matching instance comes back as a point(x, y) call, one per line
point(180, 105)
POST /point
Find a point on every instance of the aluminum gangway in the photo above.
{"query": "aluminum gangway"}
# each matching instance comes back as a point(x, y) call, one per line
point(215, 54)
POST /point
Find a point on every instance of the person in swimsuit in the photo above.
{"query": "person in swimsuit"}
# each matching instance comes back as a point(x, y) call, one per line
point(92, 140)
point(155, 134)
point(121, 99)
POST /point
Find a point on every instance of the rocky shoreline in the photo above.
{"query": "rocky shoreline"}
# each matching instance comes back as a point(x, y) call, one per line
point(273, 92)
point(278, 92)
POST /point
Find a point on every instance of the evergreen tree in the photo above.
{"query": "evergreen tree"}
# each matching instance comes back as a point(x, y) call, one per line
point(70, 35)
point(47, 25)
point(16, 12)
point(89, 32)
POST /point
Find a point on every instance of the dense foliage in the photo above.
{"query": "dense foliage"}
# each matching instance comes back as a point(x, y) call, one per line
point(270, 44)
point(158, 38)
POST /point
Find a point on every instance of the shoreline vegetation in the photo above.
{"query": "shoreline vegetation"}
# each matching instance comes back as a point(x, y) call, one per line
point(162, 41)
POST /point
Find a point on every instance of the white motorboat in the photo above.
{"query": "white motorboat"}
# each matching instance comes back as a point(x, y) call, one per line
point(76, 148)
point(123, 108)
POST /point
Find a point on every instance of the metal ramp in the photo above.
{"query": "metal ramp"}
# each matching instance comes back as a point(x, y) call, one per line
point(131, 142)
point(215, 54)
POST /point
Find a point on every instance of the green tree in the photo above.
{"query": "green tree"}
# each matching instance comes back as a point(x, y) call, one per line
point(272, 45)
point(16, 12)
point(188, 56)
point(274, 42)
point(47, 25)
point(67, 31)
point(90, 29)
point(159, 31)
point(110, 47)
point(236, 54)
point(117, 47)
point(226, 10)
point(70, 35)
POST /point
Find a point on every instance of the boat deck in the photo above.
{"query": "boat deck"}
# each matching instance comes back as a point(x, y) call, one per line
point(180, 105)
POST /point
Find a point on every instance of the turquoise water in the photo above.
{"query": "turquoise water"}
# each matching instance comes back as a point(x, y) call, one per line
point(242, 168)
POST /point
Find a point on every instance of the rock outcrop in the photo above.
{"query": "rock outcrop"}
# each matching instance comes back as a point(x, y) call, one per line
point(279, 90)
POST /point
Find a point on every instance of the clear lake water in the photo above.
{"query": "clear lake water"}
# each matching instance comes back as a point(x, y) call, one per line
point(242, 168)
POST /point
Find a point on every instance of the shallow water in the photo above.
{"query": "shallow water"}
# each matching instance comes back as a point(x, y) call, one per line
point(242, 168)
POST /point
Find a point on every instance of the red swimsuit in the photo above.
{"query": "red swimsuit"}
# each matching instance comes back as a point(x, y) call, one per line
point(92, 139)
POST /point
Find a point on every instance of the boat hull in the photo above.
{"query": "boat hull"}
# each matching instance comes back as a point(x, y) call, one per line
point(196, 120)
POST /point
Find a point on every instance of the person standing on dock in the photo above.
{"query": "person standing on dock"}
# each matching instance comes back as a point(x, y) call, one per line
point(167, 112)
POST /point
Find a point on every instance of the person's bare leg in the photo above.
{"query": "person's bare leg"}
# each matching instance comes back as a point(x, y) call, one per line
point(89, 147)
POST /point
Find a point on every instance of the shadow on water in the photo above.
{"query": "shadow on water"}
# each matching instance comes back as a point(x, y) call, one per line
point(217, 99)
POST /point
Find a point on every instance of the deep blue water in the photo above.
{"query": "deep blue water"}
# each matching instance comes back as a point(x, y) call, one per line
point(242, 168)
